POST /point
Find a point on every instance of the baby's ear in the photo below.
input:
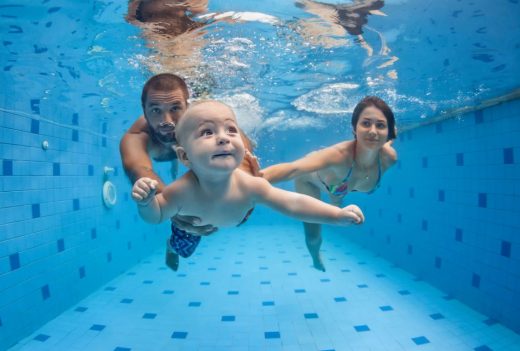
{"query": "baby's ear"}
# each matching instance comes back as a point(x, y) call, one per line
point(182, 156)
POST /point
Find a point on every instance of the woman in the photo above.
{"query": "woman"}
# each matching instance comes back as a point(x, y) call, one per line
point(352, 165)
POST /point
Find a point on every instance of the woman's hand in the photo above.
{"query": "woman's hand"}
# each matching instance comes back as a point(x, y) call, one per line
point(351, 214)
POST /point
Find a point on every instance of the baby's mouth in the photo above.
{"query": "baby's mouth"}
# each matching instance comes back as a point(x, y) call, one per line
point(222, 154)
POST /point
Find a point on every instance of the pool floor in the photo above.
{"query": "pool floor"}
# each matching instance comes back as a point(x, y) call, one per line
point(253, 289)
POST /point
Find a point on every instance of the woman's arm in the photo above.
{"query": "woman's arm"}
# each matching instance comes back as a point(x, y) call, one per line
point(312, 162)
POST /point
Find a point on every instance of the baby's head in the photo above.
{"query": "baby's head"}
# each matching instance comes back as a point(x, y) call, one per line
point(209, 138)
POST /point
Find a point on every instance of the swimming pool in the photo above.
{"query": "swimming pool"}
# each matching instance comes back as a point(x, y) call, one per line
point(441, 232)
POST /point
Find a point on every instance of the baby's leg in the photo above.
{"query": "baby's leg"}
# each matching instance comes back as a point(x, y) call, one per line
point(312, 231)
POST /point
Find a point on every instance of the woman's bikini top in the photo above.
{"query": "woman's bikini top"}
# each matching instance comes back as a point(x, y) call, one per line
point(342, 189)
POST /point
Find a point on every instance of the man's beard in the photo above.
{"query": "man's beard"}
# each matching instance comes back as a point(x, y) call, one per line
point(166, 139)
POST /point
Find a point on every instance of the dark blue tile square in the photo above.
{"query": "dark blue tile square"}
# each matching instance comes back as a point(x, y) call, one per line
point(424, 162)
point(97, 327)
point(345, 270)
point(194, 304)
point(75, 204)
point(227, 319)
point(490, 321)
point(168, 292)
point(411, 193)
point(362, 286)
point(420, 340)
point(424, 225)
point(104, 142)
point(109, 256)
point(299, 291)
point(310, 315)
point(325, 280)
point(56, 169)
point(381, 275)
point(147, 281)
point(46, 292)
point(75, 135)
point(482, 200)
point(459, 159)
point(441, 195)
point(93, 233)
point(204, 283)
point(81, 272)
point(90, 170)
point(35, 210)
point(436, 316)
point(483, 348)
point(438, 128)
point(509, 157)
point(127, 300)
point(236, 275)
point(110, 288)
point(272, 335)
point(14, 261)
point(75, 119)
point(386, 308)
point(120, 348)
point(233, 292)
point(505, 249)
point(7, 167)
point(479, 117)
point(80, 309)
point(438, 262)
point(179, 335)
point(268, 303)
point(35, 126)
point(404, 292)
point(41, 337)
point(149, 315)
point(475, 280)
point(104, 127)
point(458, 234)
point(35, 106)
point(292, 274)
point(340, 299)
point(361, 328)
point(265, 282)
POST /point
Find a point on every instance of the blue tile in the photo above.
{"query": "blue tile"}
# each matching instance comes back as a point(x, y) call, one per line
point(299, 291)
point(438, 128)
point(420, 340)
point(424, 162)
point(168, 292)
point(90, 170)
point(409, 249)
point(127, 300)
point(7, 167)
point(268, 303)
point(340, 299)
point(41, 337)
point(120, 348)
point(46, 292)
point(411, 193)
point(35, 210)
point(227, 318)
point(75, 119)
point(424, 225)
point(441, 196)
point(509, 157)
point(75, 204)
point(325, 280)
point(80, 309)
point(505, 249)
point(104, 142)
point(149, 315)
point(438, 262)
point(97, 327)
point(109, 256)
point(475, 280)
point(483, 348)
point(265, 282)
point(460, 159)
point(310, 315)
point(479, 117)
point(147, 282)
point(194, 304)
point(14, 261)
point(56, 169)
point(361, 328)
point(436, 316)
point(490, 321)
point(362, 286)
point(75, 135)
point(35, 126)
point(236, 275)
point(179, 335)
point(386, 308)
point(482, 200)
point(404, 292)
point(82, 272)
point(110, 288)
point(292, 274)
point(272, 335)
point(93, 233)
point(458, 234)
point(232, 292)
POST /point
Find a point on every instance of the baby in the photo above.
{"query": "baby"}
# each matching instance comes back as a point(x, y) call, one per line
point(215, 189)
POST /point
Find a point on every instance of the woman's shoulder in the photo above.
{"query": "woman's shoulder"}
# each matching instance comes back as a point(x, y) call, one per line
point(342, 152)
point(388, 155)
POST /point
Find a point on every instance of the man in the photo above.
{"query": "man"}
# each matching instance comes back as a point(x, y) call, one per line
point(152, 136)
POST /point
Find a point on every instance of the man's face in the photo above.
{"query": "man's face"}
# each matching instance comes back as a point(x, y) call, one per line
point(162, 111)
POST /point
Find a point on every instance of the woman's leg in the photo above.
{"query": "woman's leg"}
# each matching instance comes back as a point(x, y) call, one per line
point(312, 230)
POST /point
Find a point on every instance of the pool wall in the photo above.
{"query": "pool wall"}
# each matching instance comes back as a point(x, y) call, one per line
point(58, 242)
point(449, 210)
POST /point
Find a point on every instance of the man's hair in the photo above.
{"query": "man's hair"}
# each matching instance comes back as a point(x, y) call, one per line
point(380, 105)
point(164, 82)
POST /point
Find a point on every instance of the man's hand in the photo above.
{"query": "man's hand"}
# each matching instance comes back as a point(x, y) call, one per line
point(253, 164)
point(189, 224)
point(144, 191)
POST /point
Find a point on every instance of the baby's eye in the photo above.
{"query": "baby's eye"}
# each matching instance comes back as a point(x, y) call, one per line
point(206, 132)
point(232, 130)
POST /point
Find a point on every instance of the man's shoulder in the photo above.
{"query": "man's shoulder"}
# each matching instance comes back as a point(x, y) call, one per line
point(140, 126)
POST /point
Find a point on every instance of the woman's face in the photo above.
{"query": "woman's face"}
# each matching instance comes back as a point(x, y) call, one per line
point(372, 128)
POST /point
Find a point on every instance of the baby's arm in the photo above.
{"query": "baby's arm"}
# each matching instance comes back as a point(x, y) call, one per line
point(155, 208)
point(303, 207)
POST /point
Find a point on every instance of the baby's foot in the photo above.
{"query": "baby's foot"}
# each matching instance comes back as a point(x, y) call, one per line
point(318, 263)
point(172, 259)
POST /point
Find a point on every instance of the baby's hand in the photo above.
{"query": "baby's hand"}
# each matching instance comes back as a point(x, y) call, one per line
point(144, 190)
point(351, 214)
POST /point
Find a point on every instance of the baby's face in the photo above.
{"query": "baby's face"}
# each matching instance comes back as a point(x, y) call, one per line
point(210, 137)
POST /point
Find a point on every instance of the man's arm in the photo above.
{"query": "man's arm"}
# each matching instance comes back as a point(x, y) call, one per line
point(135, 157)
